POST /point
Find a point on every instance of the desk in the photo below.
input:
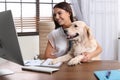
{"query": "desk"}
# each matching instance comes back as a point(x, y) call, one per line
point(83, 71)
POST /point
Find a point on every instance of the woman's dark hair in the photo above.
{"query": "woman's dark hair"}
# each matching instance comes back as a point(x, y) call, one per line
point(65, 6)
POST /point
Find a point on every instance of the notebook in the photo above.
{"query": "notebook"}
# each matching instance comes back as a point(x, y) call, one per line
point(103, 74)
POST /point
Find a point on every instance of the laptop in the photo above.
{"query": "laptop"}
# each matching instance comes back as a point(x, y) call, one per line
point(9, 44)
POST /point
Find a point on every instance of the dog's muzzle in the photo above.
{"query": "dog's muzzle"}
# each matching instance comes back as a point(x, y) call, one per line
point(70, 36)
point(73, 36)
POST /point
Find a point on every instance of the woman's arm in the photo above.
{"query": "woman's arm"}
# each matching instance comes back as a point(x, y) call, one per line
point(49, 52)
point(89, 56)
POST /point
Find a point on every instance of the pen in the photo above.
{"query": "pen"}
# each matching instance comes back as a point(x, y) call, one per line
point(108, 74)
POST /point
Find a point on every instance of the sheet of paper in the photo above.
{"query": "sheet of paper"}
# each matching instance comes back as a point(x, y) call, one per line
point(37, 62)
point(46, 63)
point(42, 63)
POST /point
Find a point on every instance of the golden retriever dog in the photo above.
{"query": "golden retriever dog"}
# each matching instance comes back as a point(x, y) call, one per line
point(82, 41)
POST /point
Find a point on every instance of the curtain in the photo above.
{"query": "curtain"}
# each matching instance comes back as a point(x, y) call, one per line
point(102, 17)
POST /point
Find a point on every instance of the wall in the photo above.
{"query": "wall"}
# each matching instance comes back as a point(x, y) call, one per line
point(119, 16)
point(29, 46)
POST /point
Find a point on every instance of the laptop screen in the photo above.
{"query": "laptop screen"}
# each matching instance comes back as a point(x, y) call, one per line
point(9, 45)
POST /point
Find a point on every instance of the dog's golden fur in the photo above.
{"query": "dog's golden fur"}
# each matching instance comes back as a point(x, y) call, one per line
point(82, 41)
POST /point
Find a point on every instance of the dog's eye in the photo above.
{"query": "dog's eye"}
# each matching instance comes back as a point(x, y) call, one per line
point(75, 26)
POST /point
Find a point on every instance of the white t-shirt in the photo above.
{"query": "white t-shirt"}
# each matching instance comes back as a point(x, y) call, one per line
point(58, 41)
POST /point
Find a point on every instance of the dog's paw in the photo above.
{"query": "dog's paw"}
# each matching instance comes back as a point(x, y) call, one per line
point(73, 62)
point(54, 61)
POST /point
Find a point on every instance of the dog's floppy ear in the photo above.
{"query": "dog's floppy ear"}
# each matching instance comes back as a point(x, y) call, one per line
point(89, 32)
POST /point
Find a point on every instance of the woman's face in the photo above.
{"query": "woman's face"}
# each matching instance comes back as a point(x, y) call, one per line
point(62, 17)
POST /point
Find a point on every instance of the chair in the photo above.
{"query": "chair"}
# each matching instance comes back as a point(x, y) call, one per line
point(44, 28)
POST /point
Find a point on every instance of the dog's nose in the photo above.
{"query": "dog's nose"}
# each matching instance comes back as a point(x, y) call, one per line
point(65, 31)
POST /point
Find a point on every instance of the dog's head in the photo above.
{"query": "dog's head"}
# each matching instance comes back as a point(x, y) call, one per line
point(78, 31)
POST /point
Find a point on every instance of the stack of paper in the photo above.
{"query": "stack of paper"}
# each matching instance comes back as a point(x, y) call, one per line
point(42, 63)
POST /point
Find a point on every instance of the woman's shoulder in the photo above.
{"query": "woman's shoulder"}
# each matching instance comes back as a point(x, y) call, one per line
point(56, 31)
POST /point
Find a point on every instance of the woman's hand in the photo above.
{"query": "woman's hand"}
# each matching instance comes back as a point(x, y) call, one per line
point(87, 57)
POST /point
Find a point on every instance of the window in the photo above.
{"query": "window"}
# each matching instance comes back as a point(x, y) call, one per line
point(28, 13)
point(24, 14)
point(47, 5)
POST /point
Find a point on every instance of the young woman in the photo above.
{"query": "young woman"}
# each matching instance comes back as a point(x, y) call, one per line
point(57, 44)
